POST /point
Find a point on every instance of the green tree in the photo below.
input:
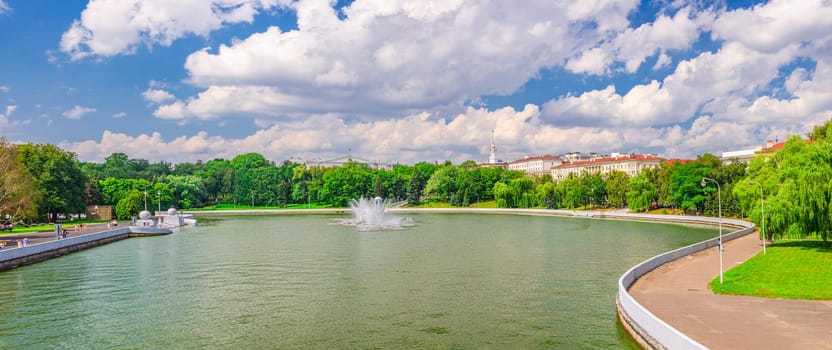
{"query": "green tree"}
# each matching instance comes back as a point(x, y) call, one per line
point(284, 193)
point(797, 182)
point(118, 165)
point(244, 166)
point(573, 192)
point(442, 184)
point(59, 177)
point(546, 195)
point(617, 185)
point(643, 191)
point(503, 195)
point(19, 194)
point(341, 184)
point(130, 205)
point(187, 190)
point(593, 189)
point(414, 189)
point(685, 181)
point(114, 189)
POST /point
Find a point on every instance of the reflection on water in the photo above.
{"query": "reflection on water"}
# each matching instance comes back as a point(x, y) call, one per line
point(264, 282)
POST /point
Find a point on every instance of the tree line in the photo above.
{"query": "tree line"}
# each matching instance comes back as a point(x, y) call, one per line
point(39, 182)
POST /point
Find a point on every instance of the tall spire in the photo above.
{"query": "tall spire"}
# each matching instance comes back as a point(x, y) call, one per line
point(492, 157)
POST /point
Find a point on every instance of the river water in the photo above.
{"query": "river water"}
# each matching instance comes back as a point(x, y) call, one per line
point(302, 282)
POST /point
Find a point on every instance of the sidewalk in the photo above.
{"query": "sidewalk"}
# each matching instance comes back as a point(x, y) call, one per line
point(38, 237)
point(678, 294)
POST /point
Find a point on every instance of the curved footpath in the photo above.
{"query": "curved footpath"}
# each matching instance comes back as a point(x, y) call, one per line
point(678, 293)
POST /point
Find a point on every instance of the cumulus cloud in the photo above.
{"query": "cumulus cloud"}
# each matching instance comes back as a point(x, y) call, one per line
point(391, 57)
point(418, 137)
point(4, 118)
point(157, 96)
point(77, 112)
point(391, 66)
point(632, 46)
point(708, 83)
point(109, 28)
point(778, 23)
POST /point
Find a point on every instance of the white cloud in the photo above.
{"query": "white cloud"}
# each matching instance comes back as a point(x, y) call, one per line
point(633, 46)
point(392, 57)
point(4, 118)
point(777, 24)
point(410, 139)
point(77, 112)
point(662, 61)
point(4, 88)
point(4, 7)
point(705, 83)
point(594, 61)
point(395, 68)
point(157, 96)
point(108, 28)
point(119, 115)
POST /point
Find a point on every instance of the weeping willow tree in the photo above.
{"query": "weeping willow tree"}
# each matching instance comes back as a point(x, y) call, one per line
point(519, 193)
point(797, 185)
point(642, 192)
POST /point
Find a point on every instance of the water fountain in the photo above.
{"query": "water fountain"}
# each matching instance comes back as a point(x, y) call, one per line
point(372, 215)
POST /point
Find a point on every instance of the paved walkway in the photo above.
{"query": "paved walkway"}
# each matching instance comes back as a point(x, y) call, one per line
point(678, 294)
point(38, 237)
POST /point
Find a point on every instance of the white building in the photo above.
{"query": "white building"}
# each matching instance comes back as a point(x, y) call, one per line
point(630, 164)
point(578, 156)
point(538, 165)
point(745, 156)
point(340, 161)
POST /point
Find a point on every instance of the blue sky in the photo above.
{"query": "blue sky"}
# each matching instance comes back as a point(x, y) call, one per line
point(407, 81)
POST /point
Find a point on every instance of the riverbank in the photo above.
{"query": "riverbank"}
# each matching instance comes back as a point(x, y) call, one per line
point(677, 293)
point(45, 245)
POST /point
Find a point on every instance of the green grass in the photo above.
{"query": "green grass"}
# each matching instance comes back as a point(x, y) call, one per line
point(226, 206)
point(438, 204)
point(488, 204)
point(45, 227)
point(790, 270)
point(433, 205)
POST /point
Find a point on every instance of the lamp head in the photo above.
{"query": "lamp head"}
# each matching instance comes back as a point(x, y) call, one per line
point(703, 183)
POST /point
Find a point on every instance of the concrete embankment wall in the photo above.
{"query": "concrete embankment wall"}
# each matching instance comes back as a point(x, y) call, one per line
point(11, 258)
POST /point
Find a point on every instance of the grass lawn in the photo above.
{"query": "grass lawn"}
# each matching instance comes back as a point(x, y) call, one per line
point(248, 207)
point(790, 270)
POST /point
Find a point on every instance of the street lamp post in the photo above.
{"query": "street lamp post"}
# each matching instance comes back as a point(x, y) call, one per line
point(719, 197)
point(159, 196)
point(145, 200)
point(762, 212)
